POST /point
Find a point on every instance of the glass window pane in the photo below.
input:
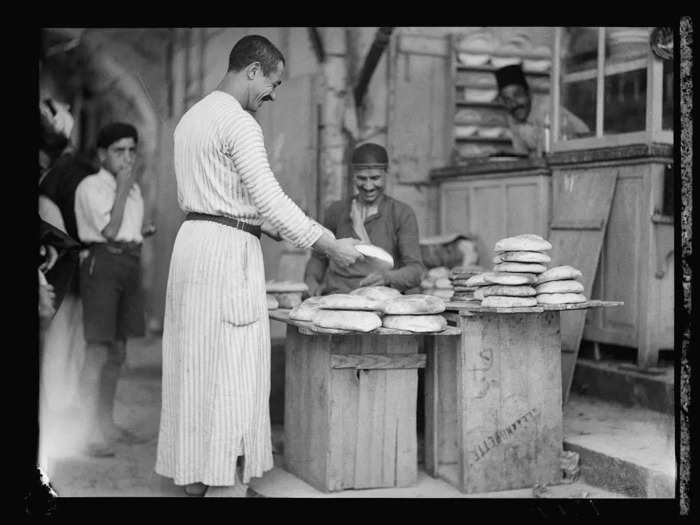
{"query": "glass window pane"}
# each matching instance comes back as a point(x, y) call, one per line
point(578, 82)
point(626, 61)
point(667, 97)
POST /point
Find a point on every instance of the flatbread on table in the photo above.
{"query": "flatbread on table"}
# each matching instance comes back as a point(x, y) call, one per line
point(509, 291)
point(514, 279)
point(559, 273)
point(479, 279)
point(346, 301)
point(567, 286)
point(527, 242)
point(304, 312)
point(560, 298)
point(523, 257)
point(500, 301)
point(443, 284)
point(288, 299)
point(285, 287)
point(347, 320)
point(416, 304)
point(272, 303)
point(415, 323)
point(376, 293)
point(517, 267)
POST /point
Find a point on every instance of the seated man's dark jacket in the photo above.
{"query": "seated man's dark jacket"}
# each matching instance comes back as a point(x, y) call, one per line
point(62, 273)
point(393, 228)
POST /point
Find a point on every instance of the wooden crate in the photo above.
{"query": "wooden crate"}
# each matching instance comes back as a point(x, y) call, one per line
point(350, 409)
point(493, 402)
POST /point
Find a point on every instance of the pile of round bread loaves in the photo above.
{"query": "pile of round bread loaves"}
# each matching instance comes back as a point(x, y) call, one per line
point(284, 294)
point(459, 275)
point(520, 276)
point(371, 307)
point(437, 282)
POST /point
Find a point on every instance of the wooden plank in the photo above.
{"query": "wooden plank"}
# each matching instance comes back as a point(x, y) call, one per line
point(578, 195)
point(292, 406)
point(582, 306)
point(368, 456)
point(431, 396)
point(447, 417)
point(478, 405)
point(377, 361)
point(545, 394)
point(403, 397)
point(317, 404)
point(578, 224)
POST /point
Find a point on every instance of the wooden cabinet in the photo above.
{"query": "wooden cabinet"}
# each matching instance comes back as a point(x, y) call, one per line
point(636, 261)
point(494, 200)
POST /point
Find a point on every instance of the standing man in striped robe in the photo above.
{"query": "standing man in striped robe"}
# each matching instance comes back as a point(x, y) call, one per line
point(215, 421)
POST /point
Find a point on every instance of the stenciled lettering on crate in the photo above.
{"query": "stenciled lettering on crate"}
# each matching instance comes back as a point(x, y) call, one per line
point(500, 436)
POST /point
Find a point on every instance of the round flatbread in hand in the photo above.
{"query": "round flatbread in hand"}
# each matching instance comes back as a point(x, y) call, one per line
point(346, 301)
point(568, 286)
point(509, 291)
point(559, 273)
point(500, 301)
point(417, 304)
point(560, 298)
point(516, 267)
point(347, 320)
point(514, 279)
point(527, 242)
point(376, 293)
point(415, 323)
point(523, 257)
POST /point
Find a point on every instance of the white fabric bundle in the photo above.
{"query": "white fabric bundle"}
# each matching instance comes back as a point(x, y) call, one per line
point(522, 257)
point(415, 323)
point(510, 291)
point(566, 286)
point(346, 301)
point(514, 279)
point(559, 273)
point(417, 304)
point(560, 298)
point(376, 293)
point(528, 242)
point(347, 320)
point(499, 301)
point(517, 267)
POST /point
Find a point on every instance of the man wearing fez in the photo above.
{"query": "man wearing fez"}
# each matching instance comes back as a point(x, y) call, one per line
point(528, 121)
point(215, 417)
point(109, 217)
point(373, 218)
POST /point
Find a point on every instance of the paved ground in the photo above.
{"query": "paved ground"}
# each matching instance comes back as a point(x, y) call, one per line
point(130, 472)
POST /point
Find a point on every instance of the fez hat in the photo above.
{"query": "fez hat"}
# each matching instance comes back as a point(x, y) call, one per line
point(512, 74)
point(370, 155)
point(115, 131)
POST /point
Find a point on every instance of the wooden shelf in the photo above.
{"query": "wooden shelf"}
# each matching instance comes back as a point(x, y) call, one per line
point(483, 139)
point(491, 69)
point(610, 69)
point(463, 104)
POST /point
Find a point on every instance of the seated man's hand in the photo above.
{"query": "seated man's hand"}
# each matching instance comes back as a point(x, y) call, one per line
point(374, 279)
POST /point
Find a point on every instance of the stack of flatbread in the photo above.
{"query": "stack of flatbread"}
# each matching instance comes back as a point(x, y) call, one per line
point(286, 293)
point(348, 312)
point(518, 262)
point(415, 313)
point(437, 282)
point(459, 276)
point(560, 285)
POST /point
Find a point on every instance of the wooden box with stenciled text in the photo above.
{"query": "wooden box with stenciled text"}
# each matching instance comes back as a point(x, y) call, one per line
point(493, 402)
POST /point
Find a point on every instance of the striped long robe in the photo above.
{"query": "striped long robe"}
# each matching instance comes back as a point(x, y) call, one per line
point(216, 343)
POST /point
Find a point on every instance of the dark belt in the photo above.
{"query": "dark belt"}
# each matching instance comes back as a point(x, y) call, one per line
point(128, 248)
point(227, 221)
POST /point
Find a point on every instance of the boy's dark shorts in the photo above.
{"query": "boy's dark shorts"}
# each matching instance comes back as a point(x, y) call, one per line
point(110, 289)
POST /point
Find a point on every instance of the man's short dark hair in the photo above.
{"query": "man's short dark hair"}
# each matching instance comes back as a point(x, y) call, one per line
point(115, 131)
point(255, 48)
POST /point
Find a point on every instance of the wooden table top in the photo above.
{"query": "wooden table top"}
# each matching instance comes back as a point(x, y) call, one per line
point(475, 306)
point(307, 328)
